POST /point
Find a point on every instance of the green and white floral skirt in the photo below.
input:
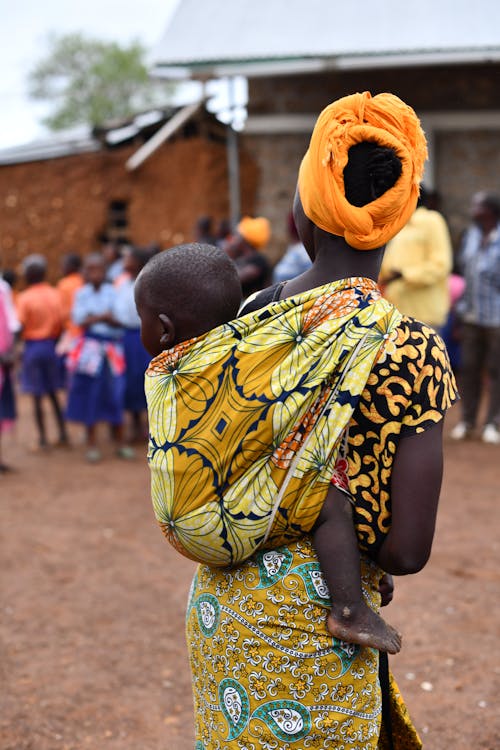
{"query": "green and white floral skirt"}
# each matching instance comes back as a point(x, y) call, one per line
point(267, 675)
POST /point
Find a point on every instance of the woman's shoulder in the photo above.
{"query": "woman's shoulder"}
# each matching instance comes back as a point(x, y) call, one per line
point(262, 298)
point(413, 376)
point(420, 342)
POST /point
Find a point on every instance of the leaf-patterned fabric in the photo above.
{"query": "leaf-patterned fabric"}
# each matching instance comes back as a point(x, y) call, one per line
point(246, 422)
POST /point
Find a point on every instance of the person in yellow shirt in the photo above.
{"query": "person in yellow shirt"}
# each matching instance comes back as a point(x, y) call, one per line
point(416, 266)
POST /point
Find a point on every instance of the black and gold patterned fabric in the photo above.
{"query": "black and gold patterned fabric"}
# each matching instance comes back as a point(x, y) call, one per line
point(410, 389)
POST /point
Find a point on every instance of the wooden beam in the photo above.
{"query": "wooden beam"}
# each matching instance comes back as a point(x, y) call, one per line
point(162, 135)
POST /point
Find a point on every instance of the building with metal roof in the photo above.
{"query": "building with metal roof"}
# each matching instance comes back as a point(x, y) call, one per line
point(259, 37)
point(441, 56)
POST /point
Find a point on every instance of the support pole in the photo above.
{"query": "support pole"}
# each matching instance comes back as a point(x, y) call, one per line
point(233, 161)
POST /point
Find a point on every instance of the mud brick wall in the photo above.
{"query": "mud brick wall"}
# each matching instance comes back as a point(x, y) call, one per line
point(62, 204)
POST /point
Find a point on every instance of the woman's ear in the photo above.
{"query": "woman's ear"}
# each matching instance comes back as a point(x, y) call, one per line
point(304, 226)
point(167, 339)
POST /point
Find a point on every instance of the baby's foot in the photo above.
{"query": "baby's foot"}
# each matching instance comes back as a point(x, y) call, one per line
point(365, 628)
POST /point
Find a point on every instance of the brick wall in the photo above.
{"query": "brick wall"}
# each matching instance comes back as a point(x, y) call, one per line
point(61, 205)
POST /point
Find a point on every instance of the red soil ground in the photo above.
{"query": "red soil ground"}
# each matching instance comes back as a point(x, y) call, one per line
point(92, 608)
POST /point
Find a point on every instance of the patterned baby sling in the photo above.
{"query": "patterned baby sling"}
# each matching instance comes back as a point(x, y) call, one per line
point(246, 421)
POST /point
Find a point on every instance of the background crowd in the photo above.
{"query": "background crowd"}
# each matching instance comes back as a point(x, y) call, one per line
point(75, 346)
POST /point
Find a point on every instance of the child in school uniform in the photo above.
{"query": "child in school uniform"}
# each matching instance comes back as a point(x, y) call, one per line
point(136, 357)
point(41, 318)
point(96, 364)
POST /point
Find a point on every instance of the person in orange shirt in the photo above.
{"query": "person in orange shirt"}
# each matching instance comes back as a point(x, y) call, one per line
point(41, 316)
point(67, 287)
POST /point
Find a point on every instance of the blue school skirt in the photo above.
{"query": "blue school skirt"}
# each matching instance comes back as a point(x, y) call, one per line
point(137, 360)
point(40, 373)
point(97, 397)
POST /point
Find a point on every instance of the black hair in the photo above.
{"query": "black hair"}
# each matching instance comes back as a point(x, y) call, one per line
point(204, 225)
point(198, 278)
point(72, 262)
point(152, 249)
point(35, 268)
point(141, 255)
point(224, 229)
point(370, 171)
point(10, 276)
point(423, 196)
point(491, 201)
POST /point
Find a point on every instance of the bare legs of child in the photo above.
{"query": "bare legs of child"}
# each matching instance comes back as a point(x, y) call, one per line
point(351, 619)
point(93, 452)
point(122, 449)
point(40, 419)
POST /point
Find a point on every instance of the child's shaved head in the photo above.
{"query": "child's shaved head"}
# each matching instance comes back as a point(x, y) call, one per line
point(196, 286)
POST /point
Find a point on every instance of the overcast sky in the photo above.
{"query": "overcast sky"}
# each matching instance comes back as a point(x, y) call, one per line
point(24, 26)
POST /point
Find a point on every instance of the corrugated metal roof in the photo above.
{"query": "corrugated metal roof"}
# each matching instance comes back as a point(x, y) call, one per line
point(81, 140)
point(49, 148)
point(212, 32)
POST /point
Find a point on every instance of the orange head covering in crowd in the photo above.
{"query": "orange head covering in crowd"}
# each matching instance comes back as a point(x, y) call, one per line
point(256, 232)
point(386, 121)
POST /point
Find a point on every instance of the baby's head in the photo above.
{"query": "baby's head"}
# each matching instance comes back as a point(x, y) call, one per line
point(184, 292)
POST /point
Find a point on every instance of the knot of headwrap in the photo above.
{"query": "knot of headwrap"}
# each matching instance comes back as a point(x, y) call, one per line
point(385, 120)
point(256, 232)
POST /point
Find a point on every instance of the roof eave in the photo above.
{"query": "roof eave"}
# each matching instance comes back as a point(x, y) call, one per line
point(206, 69)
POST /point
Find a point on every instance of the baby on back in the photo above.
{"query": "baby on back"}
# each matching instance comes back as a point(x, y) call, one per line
point(182, 294)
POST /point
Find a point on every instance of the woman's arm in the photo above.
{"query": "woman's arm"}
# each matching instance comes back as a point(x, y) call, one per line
point(415, 488)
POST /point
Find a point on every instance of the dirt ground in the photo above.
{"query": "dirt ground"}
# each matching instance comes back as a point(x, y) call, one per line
point(92, 608)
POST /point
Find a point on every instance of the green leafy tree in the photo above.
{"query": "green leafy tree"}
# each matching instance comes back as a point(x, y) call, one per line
point(90, 81)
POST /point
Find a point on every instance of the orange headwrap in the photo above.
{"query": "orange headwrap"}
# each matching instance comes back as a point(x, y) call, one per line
point(385, 120)
point(255, 231)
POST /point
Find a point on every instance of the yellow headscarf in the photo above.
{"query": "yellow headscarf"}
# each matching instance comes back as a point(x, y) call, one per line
point(385, 120)
point(256, 232)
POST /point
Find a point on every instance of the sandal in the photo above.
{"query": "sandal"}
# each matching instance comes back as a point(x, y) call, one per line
point(93, 455)
point(125, 452)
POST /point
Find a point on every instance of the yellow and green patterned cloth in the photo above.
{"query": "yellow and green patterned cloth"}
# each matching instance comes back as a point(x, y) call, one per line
point(246, 421)
point(266, 672)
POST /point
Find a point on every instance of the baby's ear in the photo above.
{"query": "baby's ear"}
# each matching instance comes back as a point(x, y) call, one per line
point(167, 339)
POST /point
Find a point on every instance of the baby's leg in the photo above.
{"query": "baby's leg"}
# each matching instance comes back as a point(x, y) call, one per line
point(350, 619)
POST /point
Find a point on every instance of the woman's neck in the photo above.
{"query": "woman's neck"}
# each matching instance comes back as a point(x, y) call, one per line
point(334, 261)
